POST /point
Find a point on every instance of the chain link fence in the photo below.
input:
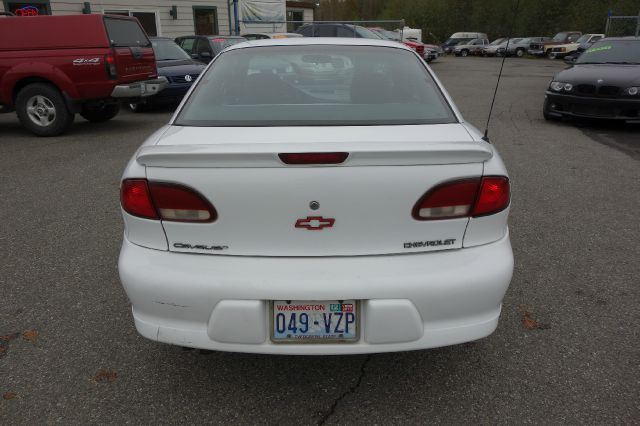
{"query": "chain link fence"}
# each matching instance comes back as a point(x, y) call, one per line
point(622, 26)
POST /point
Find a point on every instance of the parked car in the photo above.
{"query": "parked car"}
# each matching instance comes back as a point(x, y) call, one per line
point(492, 48)
point(337, 30)
point(604, 82)
point(519, 46)
point(586, 40)
point(413, 44)
point(177, 67)
point(205, 48)
point(355, 214)
point(544, 48)
point(473, 47)
point(459, 38)
point(72, 64)
point(264, 36)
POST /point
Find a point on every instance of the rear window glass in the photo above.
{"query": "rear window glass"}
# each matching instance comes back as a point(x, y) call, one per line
point(316, 85)
point(219, 44)
point(126, 33)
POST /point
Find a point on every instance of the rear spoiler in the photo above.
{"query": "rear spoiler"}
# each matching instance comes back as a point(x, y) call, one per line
point(360, 154)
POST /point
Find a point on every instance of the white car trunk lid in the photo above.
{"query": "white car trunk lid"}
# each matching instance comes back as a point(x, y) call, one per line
point(360, 207)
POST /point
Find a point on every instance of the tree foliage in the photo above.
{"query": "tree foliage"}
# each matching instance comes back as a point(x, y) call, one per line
point(440, 18)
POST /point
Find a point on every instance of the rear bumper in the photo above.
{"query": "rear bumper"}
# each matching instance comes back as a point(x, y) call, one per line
point(413, 301)
point(560, 105)
point(139, 89)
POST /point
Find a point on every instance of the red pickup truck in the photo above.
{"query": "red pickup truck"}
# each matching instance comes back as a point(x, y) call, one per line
point(52, 67)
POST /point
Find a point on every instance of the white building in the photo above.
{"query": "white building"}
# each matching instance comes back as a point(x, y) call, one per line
point(173, 18)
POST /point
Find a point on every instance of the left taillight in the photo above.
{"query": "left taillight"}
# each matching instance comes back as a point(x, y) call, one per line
point(464, 198)
point(110, 64)
point(167, 201)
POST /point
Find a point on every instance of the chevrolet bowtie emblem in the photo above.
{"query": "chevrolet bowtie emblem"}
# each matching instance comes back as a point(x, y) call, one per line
point(315, 223)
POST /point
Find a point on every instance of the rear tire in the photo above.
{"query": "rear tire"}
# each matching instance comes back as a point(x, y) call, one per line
point(464, 53)
point(100, 114)
point(520, 53)
point(42, 110)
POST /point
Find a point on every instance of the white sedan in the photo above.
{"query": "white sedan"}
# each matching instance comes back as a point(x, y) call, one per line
point(316, 196)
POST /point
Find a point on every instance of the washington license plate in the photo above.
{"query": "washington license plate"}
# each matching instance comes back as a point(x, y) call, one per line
point(306, 321)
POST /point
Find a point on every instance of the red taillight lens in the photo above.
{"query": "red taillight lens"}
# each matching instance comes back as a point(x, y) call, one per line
point(178, 203)
point(136, 199)
point(493, 196)
point(314, 158)
point(110, 64)
point(166, 201)
point(464, 198)
point(447, 201)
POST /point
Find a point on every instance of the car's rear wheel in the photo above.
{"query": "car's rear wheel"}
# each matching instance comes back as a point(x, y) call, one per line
point(100, 114)
point(464, 53)
point(42, 110)
point(519, 53)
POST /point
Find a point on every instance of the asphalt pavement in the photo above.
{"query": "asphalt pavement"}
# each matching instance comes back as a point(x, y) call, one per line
point(566, 351)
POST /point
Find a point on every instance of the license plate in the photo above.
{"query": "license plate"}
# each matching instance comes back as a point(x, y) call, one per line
point(303, 321)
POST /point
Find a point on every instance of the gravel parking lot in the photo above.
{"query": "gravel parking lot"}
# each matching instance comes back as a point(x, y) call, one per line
point(566, 349)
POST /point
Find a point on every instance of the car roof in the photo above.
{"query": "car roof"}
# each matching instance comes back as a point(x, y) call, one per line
point(269, 34)
point(620, 38)
point(319, 41)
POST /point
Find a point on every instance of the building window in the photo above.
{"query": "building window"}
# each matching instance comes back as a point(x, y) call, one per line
point(205, 20)
point(32, 8)
point(294, 15)
point(148, 20)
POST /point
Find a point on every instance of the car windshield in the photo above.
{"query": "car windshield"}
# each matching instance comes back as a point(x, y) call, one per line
point(612, 52)
point(316, 86)
point(583, 39)
point(560, 37)
point(498, 41)
point(526, 40)
point(167, 50)
point(515, 40)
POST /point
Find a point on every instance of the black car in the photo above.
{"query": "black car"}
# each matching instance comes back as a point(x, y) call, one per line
point(205, 48)
point(179, 69)
point(336, 30)
point(604, 82)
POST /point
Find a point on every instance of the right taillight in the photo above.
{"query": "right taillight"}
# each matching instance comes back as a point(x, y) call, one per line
point(110, 64)
point(464, 198)
point(167, 201)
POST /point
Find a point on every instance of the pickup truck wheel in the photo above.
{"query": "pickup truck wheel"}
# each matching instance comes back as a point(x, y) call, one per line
point(550, 54)
point(99, 114)
point(42, 110)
